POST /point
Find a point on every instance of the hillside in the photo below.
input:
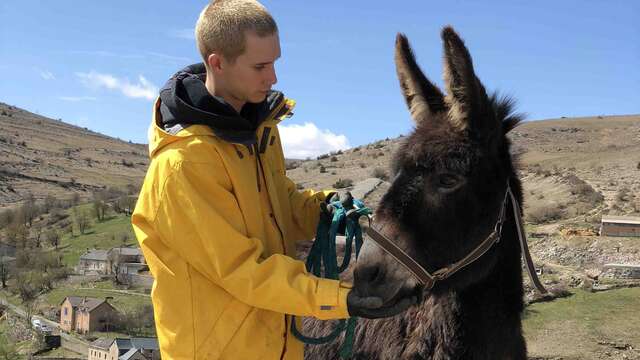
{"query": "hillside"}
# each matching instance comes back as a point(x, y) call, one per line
point(42, 156)
point(573, 171)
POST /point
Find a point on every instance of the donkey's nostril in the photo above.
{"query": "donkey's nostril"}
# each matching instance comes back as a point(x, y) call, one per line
point(368, 274)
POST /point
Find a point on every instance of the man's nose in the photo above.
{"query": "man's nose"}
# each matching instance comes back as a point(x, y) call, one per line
point(272, 78)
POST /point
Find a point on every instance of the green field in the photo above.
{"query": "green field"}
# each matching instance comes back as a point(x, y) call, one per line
point(100, 235)
point(572, 327)
point(122, 302)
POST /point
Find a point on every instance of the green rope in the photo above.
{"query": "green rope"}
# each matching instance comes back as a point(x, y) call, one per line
point(322, 261)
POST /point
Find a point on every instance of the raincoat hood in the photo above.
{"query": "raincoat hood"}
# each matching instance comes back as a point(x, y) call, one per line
point(184, 101)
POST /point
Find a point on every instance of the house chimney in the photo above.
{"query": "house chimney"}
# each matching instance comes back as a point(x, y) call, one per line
point(107, 298)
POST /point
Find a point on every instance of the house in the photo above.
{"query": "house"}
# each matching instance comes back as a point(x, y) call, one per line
point(131, 349)
point(127, 255)
point(99, 350)
point(84, 314)
point(131, 259)
point(94, 262)
point(620, 226)
point(132, 354)
point(136, 348)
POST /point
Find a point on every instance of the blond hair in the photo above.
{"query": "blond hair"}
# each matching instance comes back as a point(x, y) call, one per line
point(222, 25)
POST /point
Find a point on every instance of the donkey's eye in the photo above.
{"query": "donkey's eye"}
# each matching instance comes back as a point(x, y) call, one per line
point(448, 181)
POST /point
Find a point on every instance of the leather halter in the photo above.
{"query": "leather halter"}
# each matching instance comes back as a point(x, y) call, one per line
point(429, 279)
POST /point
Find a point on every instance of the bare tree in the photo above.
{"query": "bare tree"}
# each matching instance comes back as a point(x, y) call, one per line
point(29, 209)
point(37, 233)
point(50, 202)
point(75, 199)
point(53, 237)
point(4, 270)
point(82, 221)
point(17, 234)
point(100, 206)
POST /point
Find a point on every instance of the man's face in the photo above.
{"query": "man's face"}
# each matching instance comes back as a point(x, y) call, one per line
point(251, 76)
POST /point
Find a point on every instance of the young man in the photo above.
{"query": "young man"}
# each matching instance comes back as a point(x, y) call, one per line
point(217, 218)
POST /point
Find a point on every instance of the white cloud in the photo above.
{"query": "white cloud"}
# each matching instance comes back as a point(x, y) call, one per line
point(302, 141)
point(188, 34)
point(77, 98)
point(47, 75)
point(143, 89)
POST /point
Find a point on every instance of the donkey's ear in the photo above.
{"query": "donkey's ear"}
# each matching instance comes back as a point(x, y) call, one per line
point(423, 98)
point(466, 96)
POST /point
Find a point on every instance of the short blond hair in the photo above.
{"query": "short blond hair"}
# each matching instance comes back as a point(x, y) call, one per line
point(222, 25)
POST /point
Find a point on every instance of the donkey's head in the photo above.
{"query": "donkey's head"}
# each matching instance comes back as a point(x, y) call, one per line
point(449, 176)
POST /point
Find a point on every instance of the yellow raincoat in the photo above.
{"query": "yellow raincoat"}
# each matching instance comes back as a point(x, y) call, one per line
point(218, 226)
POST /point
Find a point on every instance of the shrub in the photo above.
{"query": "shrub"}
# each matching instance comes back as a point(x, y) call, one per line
point(343, 183)
point(362, 165)
point(323, 169)
point(380, 173)
point(290, 165)
point(543, 214)
point(323, 156)
point(334, 158)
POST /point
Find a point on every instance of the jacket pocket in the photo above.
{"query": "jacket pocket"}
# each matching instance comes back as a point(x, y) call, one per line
point(224, 330)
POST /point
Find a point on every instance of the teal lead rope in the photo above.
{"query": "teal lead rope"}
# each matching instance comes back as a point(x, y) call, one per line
point(322, 261)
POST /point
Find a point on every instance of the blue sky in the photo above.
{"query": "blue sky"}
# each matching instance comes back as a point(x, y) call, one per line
point(98, 64)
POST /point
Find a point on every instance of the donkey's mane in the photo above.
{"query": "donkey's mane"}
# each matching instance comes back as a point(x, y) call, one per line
point(504, 107)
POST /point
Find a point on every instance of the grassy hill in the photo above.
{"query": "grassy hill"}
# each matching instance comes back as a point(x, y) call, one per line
point(43, 156)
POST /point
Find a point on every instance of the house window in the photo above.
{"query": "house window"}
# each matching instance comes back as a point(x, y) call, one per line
point(65, 311)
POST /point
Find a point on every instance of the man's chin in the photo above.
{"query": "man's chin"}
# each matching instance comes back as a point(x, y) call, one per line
point(258, 98)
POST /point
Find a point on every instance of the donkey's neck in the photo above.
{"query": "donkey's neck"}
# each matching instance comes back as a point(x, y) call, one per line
point(482, 321)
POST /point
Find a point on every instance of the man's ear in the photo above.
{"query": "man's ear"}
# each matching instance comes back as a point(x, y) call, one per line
point(215, 62)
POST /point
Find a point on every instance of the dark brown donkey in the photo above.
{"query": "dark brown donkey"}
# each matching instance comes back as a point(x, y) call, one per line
point(449, 181)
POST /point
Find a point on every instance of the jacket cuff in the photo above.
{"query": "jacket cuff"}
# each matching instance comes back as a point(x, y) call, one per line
point(332, 299)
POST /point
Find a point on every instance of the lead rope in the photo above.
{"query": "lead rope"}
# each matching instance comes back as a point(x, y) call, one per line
point(322, 261)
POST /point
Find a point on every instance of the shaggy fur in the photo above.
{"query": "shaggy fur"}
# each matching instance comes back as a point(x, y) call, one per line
point(449, 180)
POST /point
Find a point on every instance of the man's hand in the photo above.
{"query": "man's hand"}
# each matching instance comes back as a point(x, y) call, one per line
point(345, 198)
point(372, 307)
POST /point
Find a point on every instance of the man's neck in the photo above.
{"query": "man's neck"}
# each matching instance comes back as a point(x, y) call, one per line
point(219, 92)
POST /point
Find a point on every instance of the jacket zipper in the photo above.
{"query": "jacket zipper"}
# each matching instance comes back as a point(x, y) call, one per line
point(272, 215)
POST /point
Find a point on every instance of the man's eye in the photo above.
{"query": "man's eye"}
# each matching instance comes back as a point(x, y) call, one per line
point(259, 67)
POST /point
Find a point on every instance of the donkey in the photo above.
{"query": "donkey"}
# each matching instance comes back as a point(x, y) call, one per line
point(449, 180)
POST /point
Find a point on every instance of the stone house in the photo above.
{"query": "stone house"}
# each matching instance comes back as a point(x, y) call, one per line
point(124, 349)
point(620, 226)
point(107, 262)
point(84, 314)
point(94, 262)
point(99, 350)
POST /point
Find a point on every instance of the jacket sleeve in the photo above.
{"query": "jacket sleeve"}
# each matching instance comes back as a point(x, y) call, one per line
point(199, 218)
point(305, 209)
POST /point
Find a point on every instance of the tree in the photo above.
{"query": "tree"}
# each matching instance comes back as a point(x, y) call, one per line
point(37, 232)
point(50, 202)
point(53, 237)
point(100, 206)
point(75, 199)
point(29, 209)
point(4, 271)
point(17, 234)
point(82, 221)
